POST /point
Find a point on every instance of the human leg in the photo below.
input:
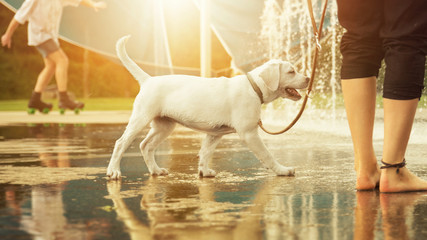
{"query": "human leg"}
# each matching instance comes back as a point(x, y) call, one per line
point(61, 73)
point(43, 79)
point(398, 120)
point(45, 75)
point(406, 47)
point(403, 85)
point(46, 49)
point(359, 98)
point(361, 48)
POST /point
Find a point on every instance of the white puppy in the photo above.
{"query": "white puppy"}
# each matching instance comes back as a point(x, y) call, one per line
point(216, 106)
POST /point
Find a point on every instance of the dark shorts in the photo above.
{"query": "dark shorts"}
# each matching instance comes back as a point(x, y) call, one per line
point(393, 30)
point(47, 47)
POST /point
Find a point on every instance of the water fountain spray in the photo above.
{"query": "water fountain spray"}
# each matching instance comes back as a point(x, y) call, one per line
point(271, 6)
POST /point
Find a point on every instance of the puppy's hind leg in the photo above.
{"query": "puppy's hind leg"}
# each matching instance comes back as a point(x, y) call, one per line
point(161, 129)
point(133, 128)
point(208, 147)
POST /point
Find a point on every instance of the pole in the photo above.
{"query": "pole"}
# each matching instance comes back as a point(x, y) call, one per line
point(205, 39)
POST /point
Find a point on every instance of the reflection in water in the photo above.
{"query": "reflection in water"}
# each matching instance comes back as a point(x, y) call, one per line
point(265, 213)
point(244, 201)
point(47, 218)
point(366, 213)
point(195, 212)
point(50, 148)
point(398, 214)
point(398, 217)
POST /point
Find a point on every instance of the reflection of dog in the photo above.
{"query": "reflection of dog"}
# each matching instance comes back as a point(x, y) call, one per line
point(216, 106)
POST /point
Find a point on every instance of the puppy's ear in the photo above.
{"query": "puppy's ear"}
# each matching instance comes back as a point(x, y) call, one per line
point(271, 76)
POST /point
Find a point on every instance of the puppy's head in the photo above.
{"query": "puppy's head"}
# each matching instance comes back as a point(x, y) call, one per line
point(280, 77)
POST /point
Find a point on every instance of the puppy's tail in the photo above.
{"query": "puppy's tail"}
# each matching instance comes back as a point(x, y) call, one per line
point(130, 65)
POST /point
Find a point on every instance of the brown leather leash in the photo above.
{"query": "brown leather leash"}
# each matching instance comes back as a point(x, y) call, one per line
point(317, 34)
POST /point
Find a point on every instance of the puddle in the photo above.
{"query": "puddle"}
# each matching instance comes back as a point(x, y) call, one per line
point(53, 186)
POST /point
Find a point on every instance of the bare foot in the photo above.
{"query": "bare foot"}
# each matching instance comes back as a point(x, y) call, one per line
point(403, 181)
point(368, 178)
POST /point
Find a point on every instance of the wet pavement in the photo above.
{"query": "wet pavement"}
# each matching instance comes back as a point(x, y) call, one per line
point(53, 186)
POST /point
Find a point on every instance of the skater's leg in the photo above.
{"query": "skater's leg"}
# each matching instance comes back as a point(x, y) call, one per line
point(61, 71)
point(43, 80)
point(45, 75)
point(61, 74)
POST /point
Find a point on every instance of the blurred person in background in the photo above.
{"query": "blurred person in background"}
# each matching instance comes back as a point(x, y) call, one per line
point(44, 17)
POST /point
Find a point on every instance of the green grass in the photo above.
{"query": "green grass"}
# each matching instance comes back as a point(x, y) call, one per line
point(91, 104)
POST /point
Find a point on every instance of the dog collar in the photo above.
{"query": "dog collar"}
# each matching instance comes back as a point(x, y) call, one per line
point(255, 87)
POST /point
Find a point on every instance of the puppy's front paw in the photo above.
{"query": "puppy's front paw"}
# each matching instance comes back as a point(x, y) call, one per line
point(284, 171)
point(114, 174)
point(160, 172)
point(207, 173)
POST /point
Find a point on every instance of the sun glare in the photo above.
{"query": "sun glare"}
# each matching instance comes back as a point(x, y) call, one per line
point(179, 6)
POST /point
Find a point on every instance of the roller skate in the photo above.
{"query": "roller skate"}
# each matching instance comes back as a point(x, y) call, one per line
point(66, 103)
point(36, 103)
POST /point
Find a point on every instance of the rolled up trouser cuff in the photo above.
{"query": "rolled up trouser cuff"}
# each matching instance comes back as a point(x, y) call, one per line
point(405, 69)
point(361, 57)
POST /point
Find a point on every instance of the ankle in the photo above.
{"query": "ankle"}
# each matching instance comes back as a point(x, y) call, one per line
point(368, 167)
point(391, 180)
point(63, 94)
point(64, 97)
point(368, 176)
point(396, 166)
point(36, 94)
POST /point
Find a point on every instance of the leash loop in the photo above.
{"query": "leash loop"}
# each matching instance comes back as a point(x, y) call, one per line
point(317, 34)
